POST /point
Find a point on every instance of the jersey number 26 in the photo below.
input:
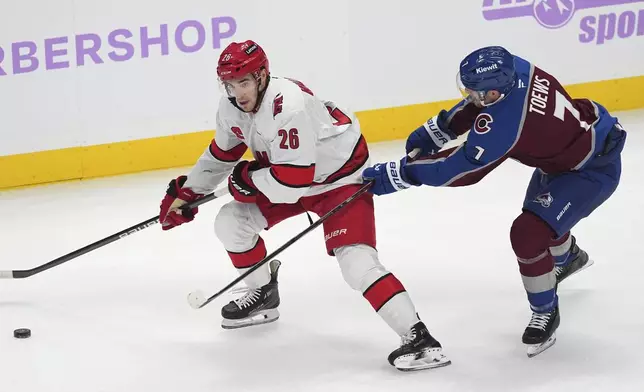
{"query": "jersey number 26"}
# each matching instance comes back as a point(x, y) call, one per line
point(290, 139)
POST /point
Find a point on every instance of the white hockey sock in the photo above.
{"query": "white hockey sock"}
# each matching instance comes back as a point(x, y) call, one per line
point(362, 270)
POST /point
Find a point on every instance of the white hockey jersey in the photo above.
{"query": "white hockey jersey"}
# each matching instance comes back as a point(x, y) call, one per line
point(307, 146)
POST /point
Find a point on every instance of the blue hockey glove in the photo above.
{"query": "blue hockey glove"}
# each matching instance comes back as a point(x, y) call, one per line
point(431, 136)
point(387, 177)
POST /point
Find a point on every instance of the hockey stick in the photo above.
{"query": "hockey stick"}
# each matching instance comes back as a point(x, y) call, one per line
point(19, 274)
point(197, 300)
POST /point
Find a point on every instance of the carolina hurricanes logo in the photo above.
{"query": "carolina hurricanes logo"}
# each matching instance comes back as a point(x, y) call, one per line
point(277, 104)
point(482, 123)
point(238, 132)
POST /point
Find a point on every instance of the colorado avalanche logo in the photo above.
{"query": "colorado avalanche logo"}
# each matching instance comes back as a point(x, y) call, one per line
point(482, 123)
point(545, 200)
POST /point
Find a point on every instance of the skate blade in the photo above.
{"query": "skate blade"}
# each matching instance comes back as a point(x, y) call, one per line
point(429, 359)
point(261, 317)
point(536, 349)
point(588, 264)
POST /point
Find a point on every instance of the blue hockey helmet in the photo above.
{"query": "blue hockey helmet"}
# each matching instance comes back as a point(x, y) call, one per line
point(489, 68)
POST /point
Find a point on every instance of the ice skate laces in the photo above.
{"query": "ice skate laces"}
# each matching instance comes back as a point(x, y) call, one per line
point(408, 337)
point(248, 298)
point(539, 321)
point(558, 270)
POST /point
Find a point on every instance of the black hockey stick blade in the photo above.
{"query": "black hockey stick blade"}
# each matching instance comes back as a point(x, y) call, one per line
point(20, 274)
point(197, 299)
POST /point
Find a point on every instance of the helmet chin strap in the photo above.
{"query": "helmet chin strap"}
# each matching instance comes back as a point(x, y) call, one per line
point(487, 105)
point(481, 99)
point(260, 93)
point(501, 96)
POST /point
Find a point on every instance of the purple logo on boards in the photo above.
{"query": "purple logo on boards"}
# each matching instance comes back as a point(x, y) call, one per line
point(119, 45)
point(554, 14)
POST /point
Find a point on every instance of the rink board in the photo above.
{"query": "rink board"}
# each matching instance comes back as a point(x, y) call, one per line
point(183, 149)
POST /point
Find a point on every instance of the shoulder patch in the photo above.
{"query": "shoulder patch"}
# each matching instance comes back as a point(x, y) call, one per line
point(237, 132)
point(302, 86)
point(482, 123)
point(277, 104)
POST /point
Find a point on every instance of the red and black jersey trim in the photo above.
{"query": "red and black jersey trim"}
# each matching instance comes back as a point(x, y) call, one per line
point(358, 158)
point(232, 155)
point(382, 290)
point(293, 176)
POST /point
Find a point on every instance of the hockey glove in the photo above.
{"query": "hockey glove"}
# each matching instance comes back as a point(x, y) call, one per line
point(172, 214)
point(239, 183)
point(431, 136)
point(387, 177)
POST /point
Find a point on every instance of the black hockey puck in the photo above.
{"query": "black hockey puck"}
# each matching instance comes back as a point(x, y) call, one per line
point(22, 333)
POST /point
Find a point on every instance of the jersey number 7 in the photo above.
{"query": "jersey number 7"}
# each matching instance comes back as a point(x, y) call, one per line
point(562, 104)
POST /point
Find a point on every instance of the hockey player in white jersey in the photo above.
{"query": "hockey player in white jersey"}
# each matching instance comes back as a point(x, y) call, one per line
point(308, 156)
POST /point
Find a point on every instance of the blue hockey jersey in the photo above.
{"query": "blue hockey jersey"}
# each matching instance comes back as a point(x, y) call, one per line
point(537, 123)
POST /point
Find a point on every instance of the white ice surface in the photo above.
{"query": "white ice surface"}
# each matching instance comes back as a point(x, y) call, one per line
point(117, 319)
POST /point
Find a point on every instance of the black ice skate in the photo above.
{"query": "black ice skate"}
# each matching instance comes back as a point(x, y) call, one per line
point(579, 260)
point(256, 306)
point(540, 332)
point(418, 350)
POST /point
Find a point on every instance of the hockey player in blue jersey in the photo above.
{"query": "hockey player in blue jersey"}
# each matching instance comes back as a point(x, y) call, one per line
point(513, 109)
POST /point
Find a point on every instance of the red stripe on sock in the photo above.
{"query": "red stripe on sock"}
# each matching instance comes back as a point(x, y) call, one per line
point(250, 257)
point(382, 290)
point(538, 268)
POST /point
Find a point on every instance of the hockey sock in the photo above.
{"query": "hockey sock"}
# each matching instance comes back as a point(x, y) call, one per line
point(560, 249)
point(247, 259)
point(531, 238)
